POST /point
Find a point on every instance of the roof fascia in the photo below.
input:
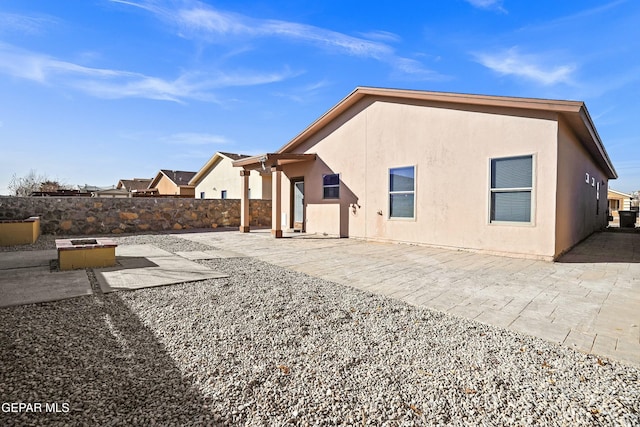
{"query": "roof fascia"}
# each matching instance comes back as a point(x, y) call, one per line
point(537, 104)
point(588, 123)
point(455, 98)
point(204, 170)
point(155, 180)
point(620, 193)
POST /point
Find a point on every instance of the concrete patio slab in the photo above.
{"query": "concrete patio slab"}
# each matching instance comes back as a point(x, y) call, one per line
point(26, 259)
point(29, 285)
point(144, 266)
point(210, 254)
point(589, 300)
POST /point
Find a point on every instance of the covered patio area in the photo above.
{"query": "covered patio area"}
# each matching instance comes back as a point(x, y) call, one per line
point(274, 162)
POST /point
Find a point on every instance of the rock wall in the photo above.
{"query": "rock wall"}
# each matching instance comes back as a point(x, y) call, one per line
point(94, 215)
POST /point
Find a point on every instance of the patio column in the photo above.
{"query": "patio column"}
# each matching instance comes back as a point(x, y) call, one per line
point(244, 201)
point(276, 201)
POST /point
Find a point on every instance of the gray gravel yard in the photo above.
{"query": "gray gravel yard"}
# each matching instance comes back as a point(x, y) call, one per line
point(268, 346)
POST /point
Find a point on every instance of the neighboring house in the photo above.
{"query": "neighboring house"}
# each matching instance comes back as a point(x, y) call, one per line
point(218, 179)
point(618, 201)
point(112, 193)
point(92, 188)
point(171, 183)
point(514, 176)
point(134, 185)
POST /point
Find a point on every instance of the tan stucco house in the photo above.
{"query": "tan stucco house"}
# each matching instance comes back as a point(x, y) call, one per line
point(172, 183)
point(514, 176)
point(618, 201)
point(218, 179)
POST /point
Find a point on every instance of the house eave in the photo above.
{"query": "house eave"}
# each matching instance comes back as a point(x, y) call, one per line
point(575, 111)
point(269, 160)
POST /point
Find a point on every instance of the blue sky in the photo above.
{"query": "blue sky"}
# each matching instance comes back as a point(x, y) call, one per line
point(93, 91)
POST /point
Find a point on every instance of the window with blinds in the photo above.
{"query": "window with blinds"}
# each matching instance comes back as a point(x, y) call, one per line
point(511, 188)
point(402, 192)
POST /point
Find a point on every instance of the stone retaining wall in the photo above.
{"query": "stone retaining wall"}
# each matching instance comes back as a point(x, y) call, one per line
point(94, 215)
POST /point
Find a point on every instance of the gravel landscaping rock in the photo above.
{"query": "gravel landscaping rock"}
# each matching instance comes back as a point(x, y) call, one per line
point(268, 346)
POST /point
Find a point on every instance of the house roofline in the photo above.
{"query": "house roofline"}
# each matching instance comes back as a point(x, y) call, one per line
point(206, 168)
point(619, 193)
point(572, 109)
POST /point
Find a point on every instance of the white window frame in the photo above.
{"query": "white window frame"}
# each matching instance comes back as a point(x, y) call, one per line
point(331, 186)
point(223, 194)
point(414, 192)
point(531, 189)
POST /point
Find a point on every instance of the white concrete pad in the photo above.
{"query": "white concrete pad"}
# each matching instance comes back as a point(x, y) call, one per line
point(209, 254)
point(144, 266)
point(141, 251)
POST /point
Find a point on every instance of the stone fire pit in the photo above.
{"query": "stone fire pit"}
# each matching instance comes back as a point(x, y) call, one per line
point(85, 253)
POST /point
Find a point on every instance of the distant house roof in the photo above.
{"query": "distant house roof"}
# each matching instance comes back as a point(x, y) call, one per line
point(179, 178)
point(87, 187)
point(233, 156)
point(134, 184)
point(204, 170)
point(111, 192)
point(619, 193)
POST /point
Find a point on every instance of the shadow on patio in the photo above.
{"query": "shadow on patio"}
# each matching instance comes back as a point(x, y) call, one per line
point(610, 246)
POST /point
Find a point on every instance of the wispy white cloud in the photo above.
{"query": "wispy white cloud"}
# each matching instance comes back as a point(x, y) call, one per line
point(196, 20)
point(303, 94)
point(113, 84)
point(203, 21)
point(530, 67)
point(415, 69)
point(24, 24)
point(488, 4)
point(385, 36)
point(576, 17)
point(191, 138)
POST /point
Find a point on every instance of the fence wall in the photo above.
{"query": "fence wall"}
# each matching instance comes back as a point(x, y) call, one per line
point(94, 215)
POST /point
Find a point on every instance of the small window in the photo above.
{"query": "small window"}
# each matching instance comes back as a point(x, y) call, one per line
point(202, 194)
point(511, 188)
point(223, 194)
point(402, 192)
point(331, 186)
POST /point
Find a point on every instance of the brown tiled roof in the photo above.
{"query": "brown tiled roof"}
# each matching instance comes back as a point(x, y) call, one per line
point(178, 177)
point(135, 183)
point(234, 156)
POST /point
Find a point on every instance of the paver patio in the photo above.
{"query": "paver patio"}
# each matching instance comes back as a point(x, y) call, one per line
point(589, 300)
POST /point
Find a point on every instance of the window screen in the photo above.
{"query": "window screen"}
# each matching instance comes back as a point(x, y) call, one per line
point(402, 192)
point(331, 186)
point(511, 187)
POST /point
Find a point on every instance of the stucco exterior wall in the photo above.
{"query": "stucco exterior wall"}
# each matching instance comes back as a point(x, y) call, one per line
point(223, 176)
point(451, 150)
point(582, 192)
point(166, 186)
